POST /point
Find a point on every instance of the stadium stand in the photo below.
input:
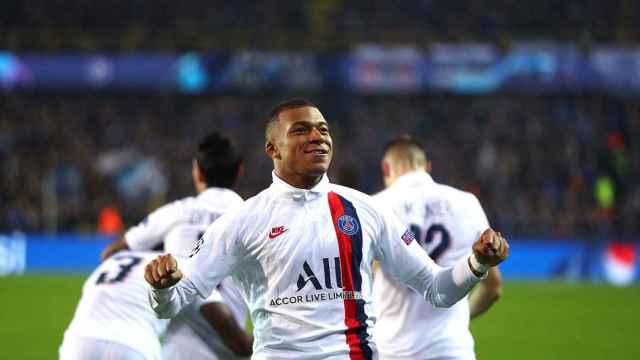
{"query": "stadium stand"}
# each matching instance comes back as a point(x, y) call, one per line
point(555, 165)
point(196, 24)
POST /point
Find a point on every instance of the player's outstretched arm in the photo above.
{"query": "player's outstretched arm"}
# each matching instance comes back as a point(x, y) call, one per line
point(486, 293)
point(170, 290)
point(452, 284)
point(442, 287)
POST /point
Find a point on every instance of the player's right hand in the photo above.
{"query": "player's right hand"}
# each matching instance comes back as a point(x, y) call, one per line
point(162, 272)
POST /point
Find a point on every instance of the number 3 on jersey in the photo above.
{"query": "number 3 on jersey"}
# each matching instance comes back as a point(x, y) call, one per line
point(435, 241)
point(125, 263)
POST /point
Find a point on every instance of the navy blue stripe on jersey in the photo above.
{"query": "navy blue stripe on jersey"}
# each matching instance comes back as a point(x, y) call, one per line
point(356, 260)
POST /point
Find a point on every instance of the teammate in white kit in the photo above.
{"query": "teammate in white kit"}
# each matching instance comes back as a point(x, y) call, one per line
point(446, 222)
point(212, 328)
point(302, 252)
point(112, 320)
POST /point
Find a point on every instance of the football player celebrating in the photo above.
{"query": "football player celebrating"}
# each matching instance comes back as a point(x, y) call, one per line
point(302, 251)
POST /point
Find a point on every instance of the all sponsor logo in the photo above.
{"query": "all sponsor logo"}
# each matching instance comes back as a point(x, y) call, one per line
point(329, 281)
point(307, 276)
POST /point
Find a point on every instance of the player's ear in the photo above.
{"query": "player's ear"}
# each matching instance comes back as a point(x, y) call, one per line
point(386, 168)
point(271, 149)
point(271, 146)
point(427, 167)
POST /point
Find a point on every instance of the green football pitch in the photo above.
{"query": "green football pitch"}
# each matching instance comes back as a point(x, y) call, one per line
point(531, 321)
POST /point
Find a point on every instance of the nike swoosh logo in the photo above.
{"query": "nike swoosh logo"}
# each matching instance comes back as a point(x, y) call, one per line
point(275, 234)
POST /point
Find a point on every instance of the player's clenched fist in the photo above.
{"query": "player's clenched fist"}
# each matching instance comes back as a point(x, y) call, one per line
point(162, 272)
point(491, 249)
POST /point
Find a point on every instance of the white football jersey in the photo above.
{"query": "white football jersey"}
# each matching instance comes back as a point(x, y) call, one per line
point(113, 306)
point(303, 259)
point(446, 223)
point(179, 225)
point(189, 329)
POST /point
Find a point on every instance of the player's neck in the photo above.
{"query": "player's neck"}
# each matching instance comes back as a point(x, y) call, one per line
point(398, 173)
point(299, 181)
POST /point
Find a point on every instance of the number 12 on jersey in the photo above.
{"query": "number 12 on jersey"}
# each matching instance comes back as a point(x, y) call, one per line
point(435, 241)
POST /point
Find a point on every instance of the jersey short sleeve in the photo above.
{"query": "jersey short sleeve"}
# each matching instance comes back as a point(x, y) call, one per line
point(400, 255)
point(151, 231)
point(215, 255)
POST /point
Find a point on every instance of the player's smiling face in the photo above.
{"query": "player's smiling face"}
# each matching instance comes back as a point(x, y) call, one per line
point(304, 144)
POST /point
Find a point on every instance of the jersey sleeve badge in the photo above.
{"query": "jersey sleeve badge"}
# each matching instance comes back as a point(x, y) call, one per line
point(408, 236)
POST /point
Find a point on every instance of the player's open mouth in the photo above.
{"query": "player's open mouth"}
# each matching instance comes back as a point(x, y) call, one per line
point(317, 151)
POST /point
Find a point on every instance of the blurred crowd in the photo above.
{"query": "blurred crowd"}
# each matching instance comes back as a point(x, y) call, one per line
point(44, 25)
point(554, 165)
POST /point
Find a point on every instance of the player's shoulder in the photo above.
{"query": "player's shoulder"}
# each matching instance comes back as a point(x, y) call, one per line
point(456, 198)
point(454, 192)
point(390, 193)
point(242, 220)
point(261, 198)
point(248, 208)
point(179, 204)
point(173, 210)
point(352, 194)
point(363, 203)
point(221, 198)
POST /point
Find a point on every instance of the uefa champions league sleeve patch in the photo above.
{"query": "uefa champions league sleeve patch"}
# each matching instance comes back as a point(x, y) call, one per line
point(408, 237)
point(348, 225)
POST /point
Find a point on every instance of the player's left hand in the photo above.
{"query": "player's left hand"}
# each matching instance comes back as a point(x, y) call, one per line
point(491, 249)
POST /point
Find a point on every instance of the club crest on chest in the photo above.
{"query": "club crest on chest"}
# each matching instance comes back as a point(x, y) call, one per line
point(348, 225)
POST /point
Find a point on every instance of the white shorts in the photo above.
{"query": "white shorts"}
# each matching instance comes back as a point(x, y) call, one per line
point(77, 348)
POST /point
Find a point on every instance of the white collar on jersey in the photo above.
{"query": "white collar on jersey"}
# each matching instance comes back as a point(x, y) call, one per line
point(414, 178)
point(297, 194)
point(217, 193)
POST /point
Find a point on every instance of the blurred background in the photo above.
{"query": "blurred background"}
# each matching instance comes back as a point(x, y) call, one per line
point(532, 106)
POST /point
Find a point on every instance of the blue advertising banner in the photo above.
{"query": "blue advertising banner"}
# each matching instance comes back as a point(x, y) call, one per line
point(530, 259)
point(65, 253)
point(371, 69)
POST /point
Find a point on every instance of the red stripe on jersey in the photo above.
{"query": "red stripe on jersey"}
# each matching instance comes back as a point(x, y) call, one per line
point(344, 245)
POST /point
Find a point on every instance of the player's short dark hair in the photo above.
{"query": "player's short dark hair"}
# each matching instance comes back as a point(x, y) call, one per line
point(407, 148)
point(218, 160)
point(293, 103)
